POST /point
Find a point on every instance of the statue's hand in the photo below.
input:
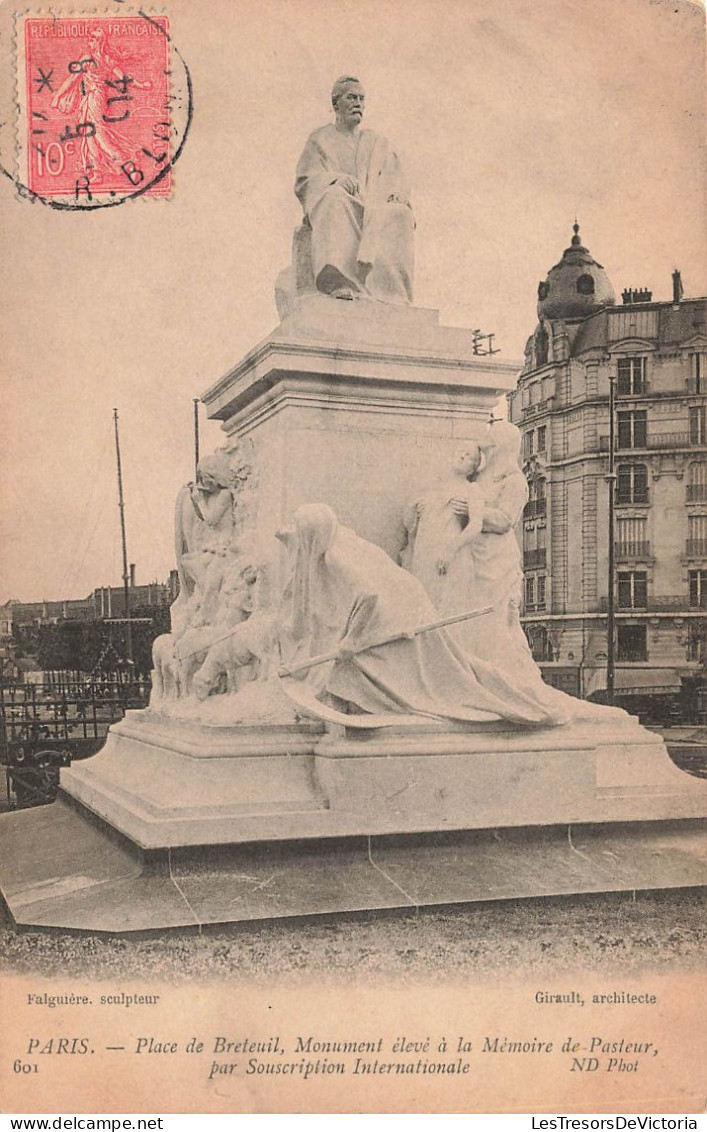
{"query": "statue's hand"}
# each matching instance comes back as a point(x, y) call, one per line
point(460, 507)
point(350, 184)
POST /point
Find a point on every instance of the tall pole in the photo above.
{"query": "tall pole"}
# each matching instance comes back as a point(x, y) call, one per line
point(196, 435)
point(126, 572)
point(611, 580)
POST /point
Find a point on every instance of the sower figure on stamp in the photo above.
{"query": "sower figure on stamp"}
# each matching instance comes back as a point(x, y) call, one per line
point(355, 201)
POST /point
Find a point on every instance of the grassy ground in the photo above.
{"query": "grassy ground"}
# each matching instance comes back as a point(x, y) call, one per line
point(614, 934)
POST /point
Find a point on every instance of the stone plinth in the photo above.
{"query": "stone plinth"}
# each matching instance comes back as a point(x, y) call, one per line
point(163, 782)
point(178, 824)
point(359, 405)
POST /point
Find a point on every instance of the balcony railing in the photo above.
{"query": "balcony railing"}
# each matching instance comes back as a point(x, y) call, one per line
point(534, 559)
point(632, 549)
point(696, 548)
point(641, 390)
point(696, 493)
point(631, 603)
point(535, 509)
point(637, 498)
point(631, 653)
point(669, 440)
point(670, 603)
point(539, 407)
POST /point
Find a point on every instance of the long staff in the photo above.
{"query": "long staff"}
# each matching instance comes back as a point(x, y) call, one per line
point(323, 657)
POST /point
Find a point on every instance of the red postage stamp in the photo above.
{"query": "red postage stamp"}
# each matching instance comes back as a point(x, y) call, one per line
point(95, 107)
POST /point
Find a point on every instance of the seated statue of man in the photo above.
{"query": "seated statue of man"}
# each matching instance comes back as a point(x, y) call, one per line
point(354, 199)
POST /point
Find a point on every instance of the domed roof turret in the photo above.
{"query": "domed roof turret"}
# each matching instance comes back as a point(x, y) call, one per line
point(575, 287)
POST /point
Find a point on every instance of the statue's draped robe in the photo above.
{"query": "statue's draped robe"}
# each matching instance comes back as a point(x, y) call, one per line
point(343, 587)
point(489, 571)
point(432, 526)
point(365, 241)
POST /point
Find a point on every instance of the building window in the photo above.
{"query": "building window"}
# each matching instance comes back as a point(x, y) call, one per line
point(632, 589)
point(631, 541)
point(539, 641)
point(528, 443)
point(534, 550)
point(632, 429)
point(698, 589)
point(541, 347)
point(585, 285)
point(632, 483)
point(530, 593)
point(696, 536)
point(631, 642)
point(697, 379)
point(632, 377)
point(542, 438)
point(536, 507)
point(698, 424)
point(541, 590)
point(697, 642)
point(697, 483)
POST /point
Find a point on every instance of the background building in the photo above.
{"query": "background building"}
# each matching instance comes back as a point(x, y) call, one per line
point(74, 632)
point(656, 353)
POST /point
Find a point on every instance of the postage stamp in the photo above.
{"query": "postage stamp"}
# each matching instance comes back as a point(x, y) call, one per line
point(99, 119)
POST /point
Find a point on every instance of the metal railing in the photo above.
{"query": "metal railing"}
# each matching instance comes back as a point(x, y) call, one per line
point(669, 440)
point(643, 390)
point(633, 498)
point(669, 603)
point(696, 548)
point(696, 493)
point(535, 509)
point(534, 559)
point(629, 654)
point(632, 549)
point(543, 406)
point(31, 713)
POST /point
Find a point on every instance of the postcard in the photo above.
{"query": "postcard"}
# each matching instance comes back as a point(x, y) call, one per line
point(337, 337)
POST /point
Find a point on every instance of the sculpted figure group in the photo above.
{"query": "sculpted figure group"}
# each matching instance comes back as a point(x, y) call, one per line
point(221, 635)
point(352, 636)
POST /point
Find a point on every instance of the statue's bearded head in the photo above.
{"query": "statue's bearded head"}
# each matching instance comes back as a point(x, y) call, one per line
point(347, 98)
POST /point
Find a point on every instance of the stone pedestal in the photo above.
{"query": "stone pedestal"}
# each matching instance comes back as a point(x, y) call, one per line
point(163, 782)
point(359, 405)
point(175, 825)
point(180, 822)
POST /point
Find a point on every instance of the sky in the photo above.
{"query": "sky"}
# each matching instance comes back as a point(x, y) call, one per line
point(512, 118)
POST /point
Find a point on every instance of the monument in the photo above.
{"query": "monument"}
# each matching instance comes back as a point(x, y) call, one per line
point(345, 713)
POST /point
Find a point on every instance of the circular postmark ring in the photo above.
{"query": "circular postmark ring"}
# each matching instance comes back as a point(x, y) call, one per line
point(105, 105)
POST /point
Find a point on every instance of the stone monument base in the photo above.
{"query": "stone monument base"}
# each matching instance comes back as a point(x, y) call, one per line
point(176, 824)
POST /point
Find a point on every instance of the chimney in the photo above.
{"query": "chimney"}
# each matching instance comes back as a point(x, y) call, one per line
point(677, 288)
point(132, 575)
point(631, 295)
